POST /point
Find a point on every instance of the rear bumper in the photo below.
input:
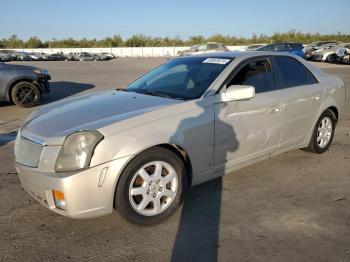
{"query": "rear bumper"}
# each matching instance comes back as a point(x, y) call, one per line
point(87, 193)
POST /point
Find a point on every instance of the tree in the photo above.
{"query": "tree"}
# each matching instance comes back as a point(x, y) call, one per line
point(33, 42)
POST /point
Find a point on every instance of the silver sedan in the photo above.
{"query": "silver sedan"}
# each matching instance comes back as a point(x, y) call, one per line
point(190, 120)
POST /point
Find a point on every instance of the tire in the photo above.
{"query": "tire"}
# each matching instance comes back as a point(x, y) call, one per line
point(331, 58)
point(130, 205)
point(317, 145)
point(25, 94)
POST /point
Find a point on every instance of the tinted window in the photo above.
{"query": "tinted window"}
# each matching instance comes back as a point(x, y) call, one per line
point(266, 48)
point(257, 73)
point(293, 73)
point(280, 47)
point(213, 46)
point(202, 48)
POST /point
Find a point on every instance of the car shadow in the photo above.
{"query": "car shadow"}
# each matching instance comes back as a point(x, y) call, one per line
point(63, 89)
point(7, 138)
point(197, 236)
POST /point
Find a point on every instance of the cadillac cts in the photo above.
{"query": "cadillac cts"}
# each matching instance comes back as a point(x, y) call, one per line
point(192, 119)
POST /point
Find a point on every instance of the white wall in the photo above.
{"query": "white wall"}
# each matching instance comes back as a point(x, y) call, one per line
point(121, 51)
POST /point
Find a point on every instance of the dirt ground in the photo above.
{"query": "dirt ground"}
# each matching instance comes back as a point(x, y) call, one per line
point(293, 207)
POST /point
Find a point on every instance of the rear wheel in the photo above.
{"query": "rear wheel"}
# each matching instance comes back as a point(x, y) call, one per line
point(25, 94)
point(323, 133)
point(151, 187)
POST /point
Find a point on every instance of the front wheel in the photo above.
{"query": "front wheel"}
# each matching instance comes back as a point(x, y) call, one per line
point(151, 187)
point(25, 94)
point(331, 58)
point(323, 133)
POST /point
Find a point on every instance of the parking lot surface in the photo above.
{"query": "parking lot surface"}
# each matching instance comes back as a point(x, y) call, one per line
point(292, 207)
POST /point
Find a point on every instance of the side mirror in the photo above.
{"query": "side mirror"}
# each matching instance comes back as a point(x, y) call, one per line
point(238, 92)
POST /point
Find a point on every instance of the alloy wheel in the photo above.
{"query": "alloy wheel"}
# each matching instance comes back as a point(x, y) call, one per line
point(153, 188)
point(324, 132)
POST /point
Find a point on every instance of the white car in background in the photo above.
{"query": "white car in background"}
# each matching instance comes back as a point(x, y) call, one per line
point(252, 47)
point(331, 55)
point(209, 47)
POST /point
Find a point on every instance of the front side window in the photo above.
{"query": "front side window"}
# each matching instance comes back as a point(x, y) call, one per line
point(281, 47)
point(267, 48)
point(183, 78)
point(257, 73)
point(293, 73)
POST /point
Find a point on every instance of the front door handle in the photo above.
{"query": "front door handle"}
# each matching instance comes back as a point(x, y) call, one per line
point(275, 109)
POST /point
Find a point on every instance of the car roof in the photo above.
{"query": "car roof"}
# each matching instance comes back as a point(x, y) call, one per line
point(235, 54)
point(293, 43)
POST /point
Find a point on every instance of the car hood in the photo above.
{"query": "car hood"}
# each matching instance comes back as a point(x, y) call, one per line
point(19, 67)
point(51, 123)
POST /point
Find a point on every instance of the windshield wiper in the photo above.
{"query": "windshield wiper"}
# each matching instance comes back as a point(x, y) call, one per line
point(122, 89)
point(153, 93)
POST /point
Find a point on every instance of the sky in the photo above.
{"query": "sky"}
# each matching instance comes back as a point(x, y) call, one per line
point(48, 19)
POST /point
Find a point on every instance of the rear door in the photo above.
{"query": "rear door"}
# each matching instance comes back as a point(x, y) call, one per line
point(302, 99)
point(247, 129)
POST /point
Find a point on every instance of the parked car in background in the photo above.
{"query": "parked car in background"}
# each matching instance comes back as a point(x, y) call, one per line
point(310, 53)
point(292, 48)
point(318, 45)
point(253, 47)
point(185, 122)
point(86, 57)
point(10, 53)
point(108, 55)
point(56, 57)
point(343, 55)
point(100, 57)
point(4, 57)
point(23, 85)
point(73, 57)
point(203, 48)
point(37, 56)
point(23, 56)
point(331, 55)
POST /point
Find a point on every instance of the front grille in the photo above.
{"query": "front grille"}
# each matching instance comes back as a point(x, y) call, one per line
point(27, 153)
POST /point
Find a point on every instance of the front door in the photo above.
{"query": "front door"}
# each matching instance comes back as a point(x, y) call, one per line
point(245, 130)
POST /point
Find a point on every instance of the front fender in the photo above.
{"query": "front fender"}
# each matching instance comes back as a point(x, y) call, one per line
point(193, 131)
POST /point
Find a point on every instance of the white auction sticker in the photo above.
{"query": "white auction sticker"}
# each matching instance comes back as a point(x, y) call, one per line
point(220, 61)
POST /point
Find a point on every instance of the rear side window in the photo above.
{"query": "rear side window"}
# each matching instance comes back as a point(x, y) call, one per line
point(213, 46)
point(293, 73)
point(296, 46)
point(257, 73)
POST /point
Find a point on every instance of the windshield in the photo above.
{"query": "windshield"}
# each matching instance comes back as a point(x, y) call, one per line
point(183, 78)
point(337, 47)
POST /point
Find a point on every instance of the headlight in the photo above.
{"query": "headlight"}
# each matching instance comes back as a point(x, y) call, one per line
point(41, 72)
point(77, 150)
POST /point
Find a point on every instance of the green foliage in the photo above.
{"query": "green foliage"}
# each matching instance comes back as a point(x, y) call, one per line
point(140, 40)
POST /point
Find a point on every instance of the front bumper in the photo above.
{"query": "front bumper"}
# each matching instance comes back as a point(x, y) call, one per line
point(316, 57)
point(43, 82)
point(88, 193)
